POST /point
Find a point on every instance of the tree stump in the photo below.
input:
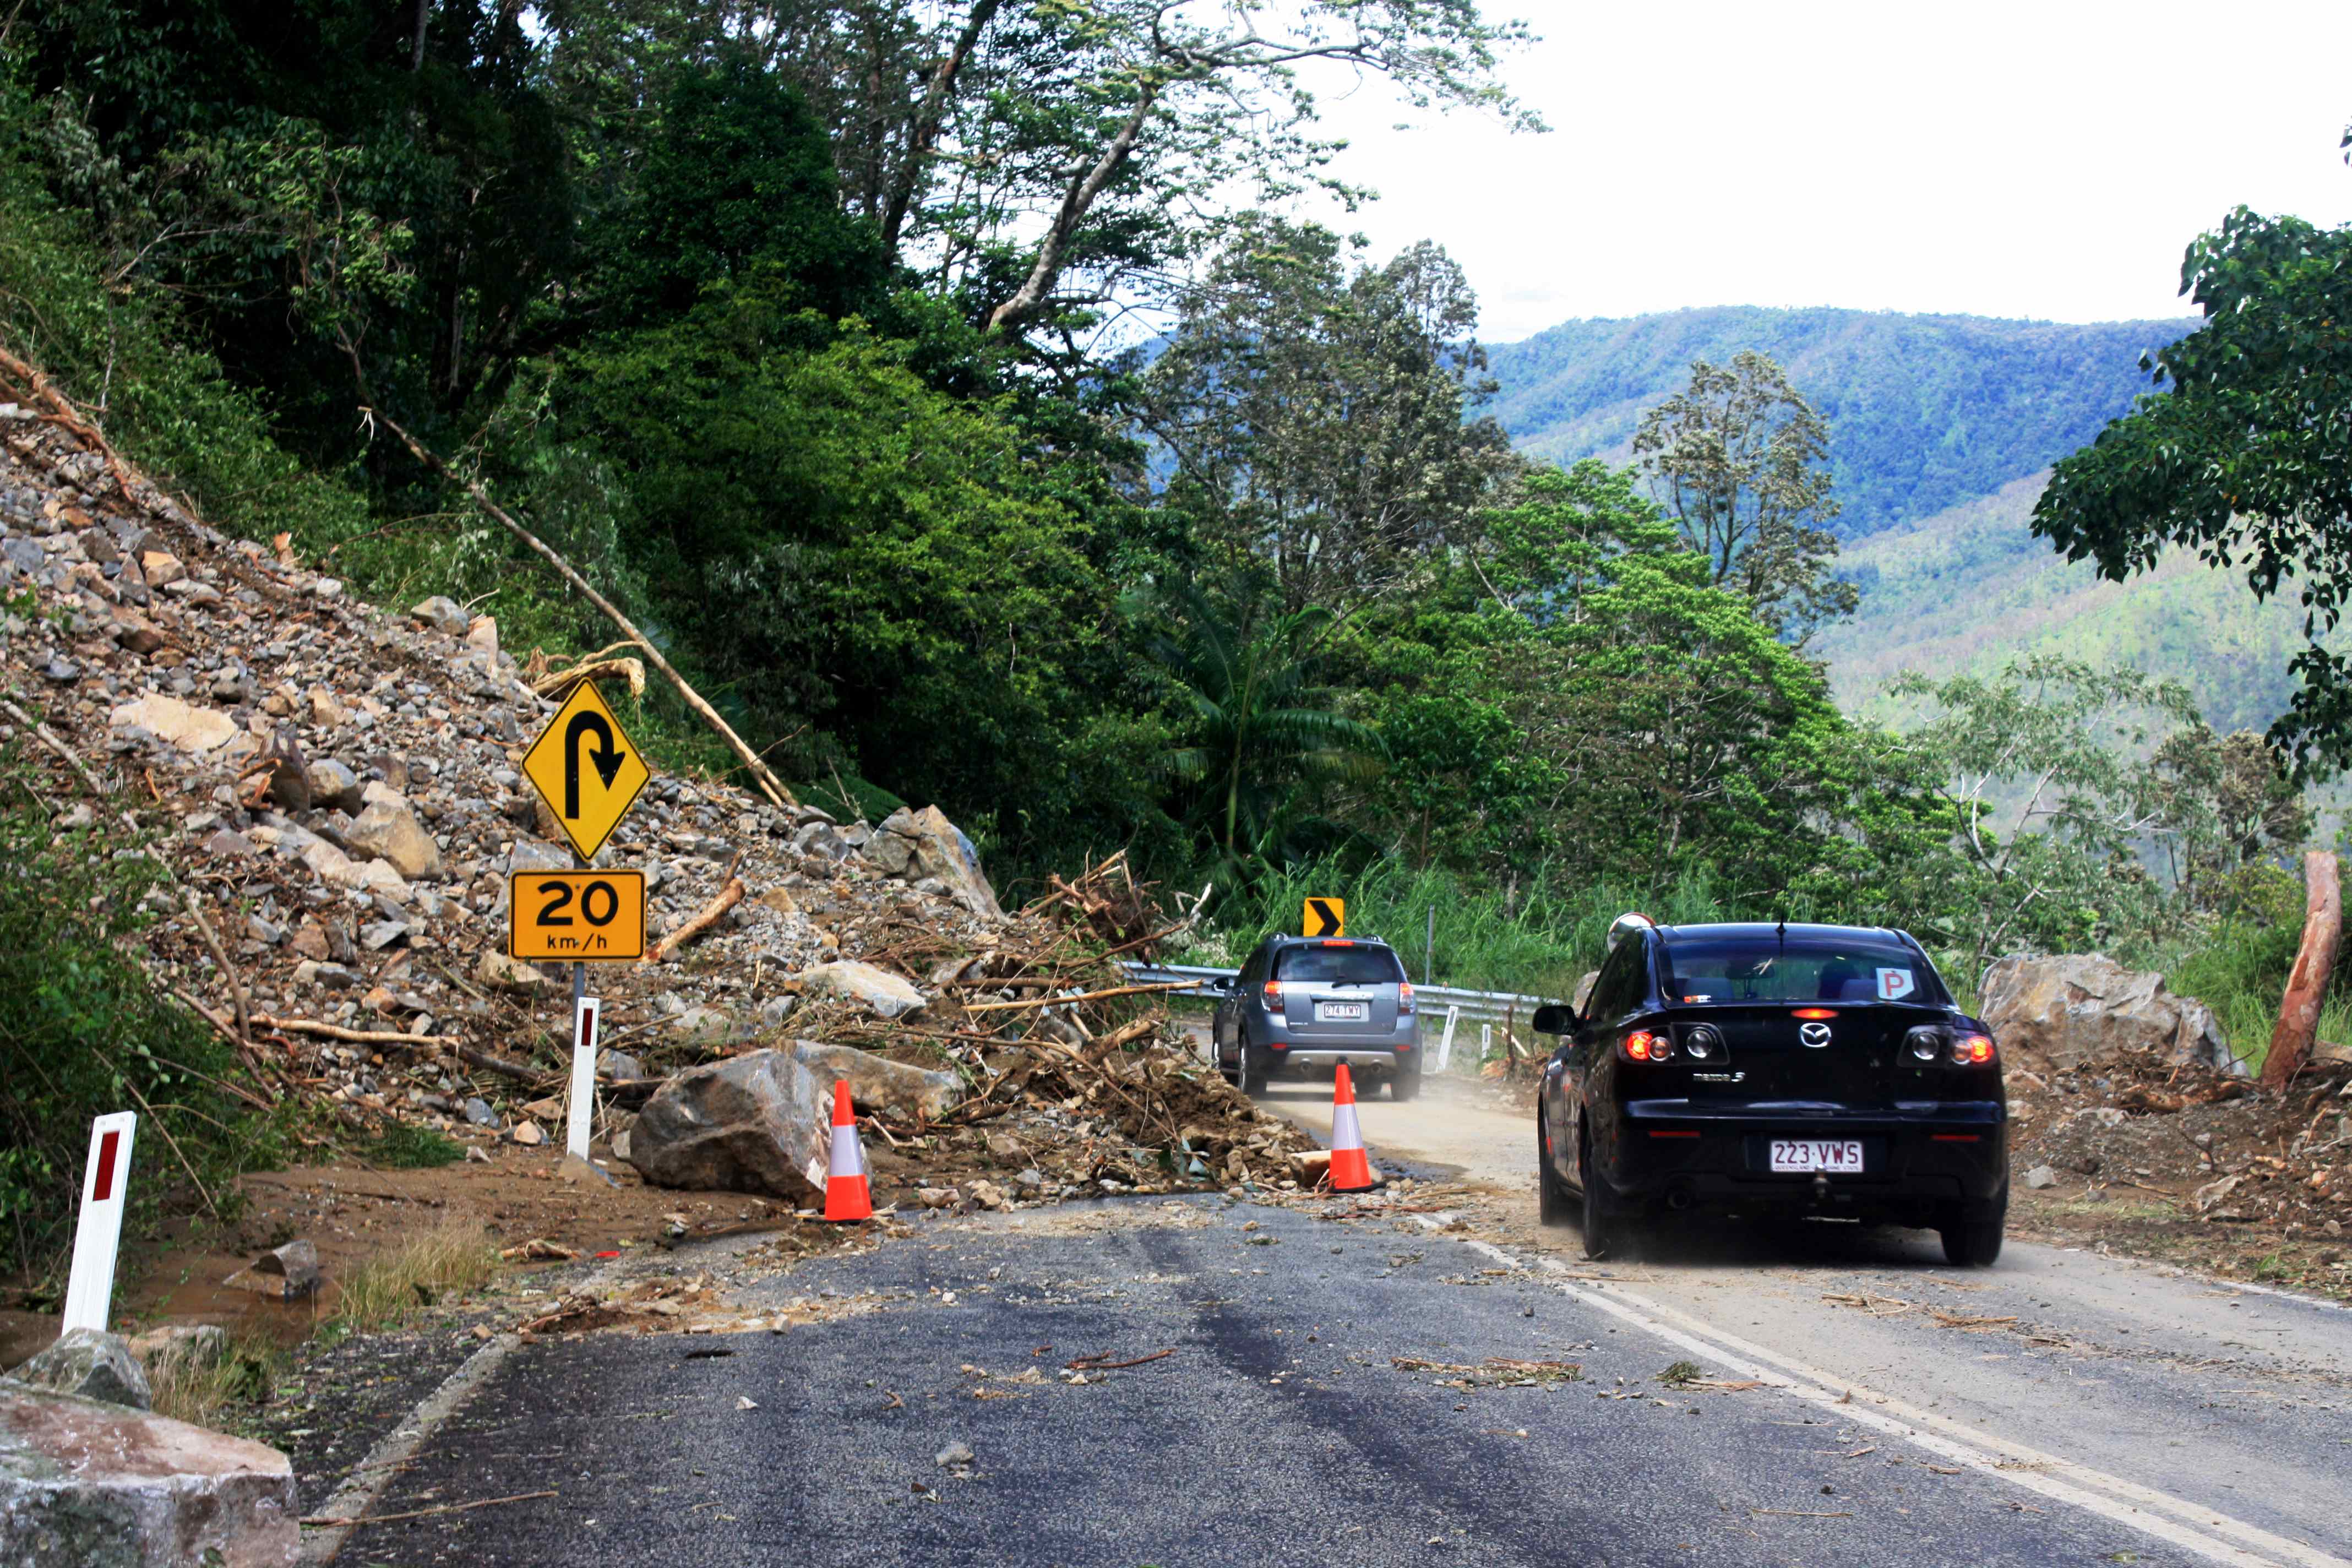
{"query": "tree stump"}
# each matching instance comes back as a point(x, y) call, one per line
point(2315, 961)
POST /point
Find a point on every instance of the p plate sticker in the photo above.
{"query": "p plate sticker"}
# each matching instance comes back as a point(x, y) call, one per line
point(1894, 984)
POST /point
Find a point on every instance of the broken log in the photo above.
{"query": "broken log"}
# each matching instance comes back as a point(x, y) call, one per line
point(761, 774)
point(704, 918)
point(2315, 961)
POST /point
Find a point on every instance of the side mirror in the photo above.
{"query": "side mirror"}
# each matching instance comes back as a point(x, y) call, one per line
point(1554, 1019)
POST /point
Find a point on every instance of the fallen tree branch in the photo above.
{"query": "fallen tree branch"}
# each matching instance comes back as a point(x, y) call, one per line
point(1102, 1363)
point(324, 1521)
point(1086, 997)
point(220, 956)
point(704, 918)
point(48, 737)
point(770, 784)
point(352, 1036)
point(70, 417)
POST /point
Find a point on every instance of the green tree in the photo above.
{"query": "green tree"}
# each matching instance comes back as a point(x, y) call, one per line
point(2045, 770)
point(1741, 461)
point(1257, 727)
point(2244, 456)
point(1320, 422)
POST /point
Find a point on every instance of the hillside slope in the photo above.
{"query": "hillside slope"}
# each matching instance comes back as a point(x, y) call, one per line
point(1970, 588)
point(1924, 412)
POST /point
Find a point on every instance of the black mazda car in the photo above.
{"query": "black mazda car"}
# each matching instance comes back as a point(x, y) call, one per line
point(1754, 1068)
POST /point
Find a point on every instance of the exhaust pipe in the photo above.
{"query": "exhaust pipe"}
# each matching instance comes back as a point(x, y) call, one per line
point(1821, 1188)
point(1679, 1199)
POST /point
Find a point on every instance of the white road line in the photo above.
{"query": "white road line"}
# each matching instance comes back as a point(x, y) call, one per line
point(2182, 1523)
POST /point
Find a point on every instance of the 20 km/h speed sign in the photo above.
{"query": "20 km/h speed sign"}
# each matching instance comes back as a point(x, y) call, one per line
point(577, 915)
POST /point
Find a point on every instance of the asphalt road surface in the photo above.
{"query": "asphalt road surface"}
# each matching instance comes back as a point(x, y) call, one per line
point(1855, 1401)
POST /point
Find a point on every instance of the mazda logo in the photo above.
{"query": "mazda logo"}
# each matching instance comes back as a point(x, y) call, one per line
point(1815, 1035)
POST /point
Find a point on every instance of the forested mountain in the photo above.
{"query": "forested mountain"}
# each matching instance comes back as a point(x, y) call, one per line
point(1924, 412)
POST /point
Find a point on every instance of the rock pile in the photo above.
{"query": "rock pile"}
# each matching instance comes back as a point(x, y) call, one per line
point(337, 792)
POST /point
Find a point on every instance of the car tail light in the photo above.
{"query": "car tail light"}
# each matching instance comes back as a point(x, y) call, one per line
point(1404, 997)
point(1972, 1051)
point(1272, 996)
point(1642, 1046)
point(1816, 1013)
point(1701, 1043)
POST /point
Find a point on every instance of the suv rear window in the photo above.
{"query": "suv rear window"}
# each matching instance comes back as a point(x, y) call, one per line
point(1751, 968)
point(1354, 964)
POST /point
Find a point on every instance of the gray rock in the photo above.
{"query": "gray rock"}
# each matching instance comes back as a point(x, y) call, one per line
point(479, 1113)
point(178, 1346)
point(64, 671)
point(376, 938)
point(530, 855)
point(876, 1083)
point(334, 788)
point(2084, 1010)
point(759, 1122)
point(91, 1363)
point(83, 1482)
point(267, 933)
point(391, 832)
point(289, 1272)
point(776, 1009)
point(496, 970)
point(709, 1026)
point(441, 613)
point(189, 728)
point(820, 839)
point(919, 843)
point(877, 990)
point(2041, 1176)
point(619, 1064)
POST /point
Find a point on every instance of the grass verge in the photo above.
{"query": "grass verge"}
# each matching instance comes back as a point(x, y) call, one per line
point(453, 1260)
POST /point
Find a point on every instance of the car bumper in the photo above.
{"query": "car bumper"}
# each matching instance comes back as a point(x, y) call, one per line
point(1679, 1152)
point(1394, 1050)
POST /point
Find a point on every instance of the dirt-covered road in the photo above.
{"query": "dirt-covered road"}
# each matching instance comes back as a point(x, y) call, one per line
point(1423, 1375)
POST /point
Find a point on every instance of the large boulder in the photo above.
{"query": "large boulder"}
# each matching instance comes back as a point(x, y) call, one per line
point(919, 843)
point(759, 1122)
point(878, 1084)
point(2082, 1010)
point(91, 1485)
point(182, 724)
point(389, 831)
point(877, 990)
point(92, 1364)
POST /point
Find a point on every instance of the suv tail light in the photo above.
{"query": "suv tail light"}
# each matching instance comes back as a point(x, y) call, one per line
point(1404, 997)
point(1271, 996)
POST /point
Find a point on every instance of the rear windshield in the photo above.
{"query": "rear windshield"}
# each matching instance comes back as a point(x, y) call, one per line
point(1765, 970)
point(1350, 965)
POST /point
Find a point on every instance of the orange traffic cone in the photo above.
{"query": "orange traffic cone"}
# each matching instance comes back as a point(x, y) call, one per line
point(1350, 1171)
point(845, 1196)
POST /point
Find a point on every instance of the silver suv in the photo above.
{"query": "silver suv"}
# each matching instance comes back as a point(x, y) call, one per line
point(1305, 1004)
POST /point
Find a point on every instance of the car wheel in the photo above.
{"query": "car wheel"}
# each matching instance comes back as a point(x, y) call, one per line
point(1973, 1237)
point(1603, 1226)
point(1404, 1085)
point(1252, 1080)
point(1551, 1202)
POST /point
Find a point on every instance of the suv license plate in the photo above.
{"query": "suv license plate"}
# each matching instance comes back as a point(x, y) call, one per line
point(1837, 1156)
point(1341, 1012)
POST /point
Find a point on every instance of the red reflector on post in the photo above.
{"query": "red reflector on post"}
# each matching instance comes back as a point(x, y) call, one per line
point(102, 1183)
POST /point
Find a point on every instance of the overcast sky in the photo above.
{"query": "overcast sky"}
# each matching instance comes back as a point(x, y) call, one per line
point(2046, 160)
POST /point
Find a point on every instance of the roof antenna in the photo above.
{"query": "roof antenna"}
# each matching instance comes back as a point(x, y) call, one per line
point(1783, 929)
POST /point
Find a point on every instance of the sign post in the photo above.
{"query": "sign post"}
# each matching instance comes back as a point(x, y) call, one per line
point(589, 773)
point(98, 1234)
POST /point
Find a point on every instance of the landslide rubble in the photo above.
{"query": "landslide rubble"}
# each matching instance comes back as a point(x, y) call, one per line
point(336, 789)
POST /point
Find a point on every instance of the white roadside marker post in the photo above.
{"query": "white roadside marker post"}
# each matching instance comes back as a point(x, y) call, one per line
point(1485, 1043)
point(586, 1012)
point(98, 1234)
point(1445, 1045)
